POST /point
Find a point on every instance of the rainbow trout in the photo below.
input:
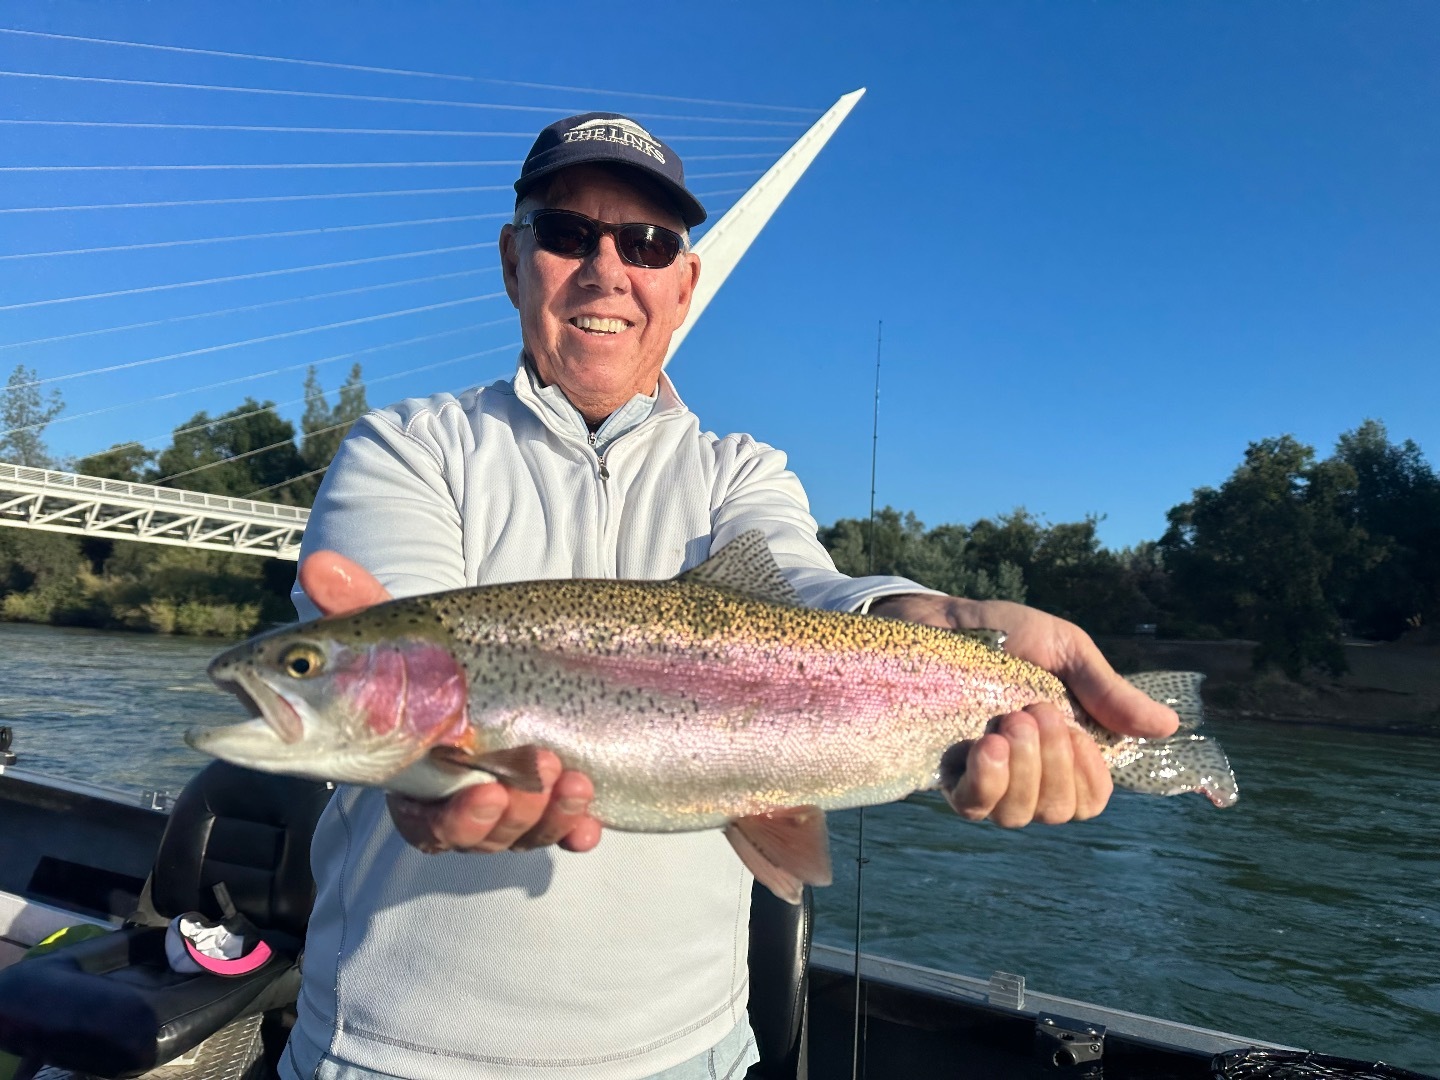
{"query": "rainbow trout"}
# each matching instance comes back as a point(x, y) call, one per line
point(713, 700)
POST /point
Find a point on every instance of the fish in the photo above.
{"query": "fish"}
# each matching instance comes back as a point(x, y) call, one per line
point(713, 700)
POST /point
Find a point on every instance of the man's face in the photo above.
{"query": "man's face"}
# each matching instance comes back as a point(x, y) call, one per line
point(601, 367)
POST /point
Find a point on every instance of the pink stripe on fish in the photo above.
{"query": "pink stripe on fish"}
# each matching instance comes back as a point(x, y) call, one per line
point(765, 678)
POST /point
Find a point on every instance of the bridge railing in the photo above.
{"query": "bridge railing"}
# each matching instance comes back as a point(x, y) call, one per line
point(95, 485)
point(54, 501)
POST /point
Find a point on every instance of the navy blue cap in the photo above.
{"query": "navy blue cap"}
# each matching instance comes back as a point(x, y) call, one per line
point(609, 137)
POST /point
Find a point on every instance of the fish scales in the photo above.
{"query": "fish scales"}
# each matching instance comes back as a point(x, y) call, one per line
point(712, 700)
point(690, 705)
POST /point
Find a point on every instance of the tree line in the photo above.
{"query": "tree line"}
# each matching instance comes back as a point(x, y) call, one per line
point(1291, 551)
point(248, 452)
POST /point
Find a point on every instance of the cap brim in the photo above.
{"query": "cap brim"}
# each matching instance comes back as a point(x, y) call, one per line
point(689, 208)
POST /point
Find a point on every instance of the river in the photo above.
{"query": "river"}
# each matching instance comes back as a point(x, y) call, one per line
point(1306, 914)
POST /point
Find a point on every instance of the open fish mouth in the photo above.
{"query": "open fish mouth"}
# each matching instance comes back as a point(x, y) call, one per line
point(263, 702)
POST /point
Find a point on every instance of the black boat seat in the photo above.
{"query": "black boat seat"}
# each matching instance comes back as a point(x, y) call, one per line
point(112, 1006)
point(779, 983)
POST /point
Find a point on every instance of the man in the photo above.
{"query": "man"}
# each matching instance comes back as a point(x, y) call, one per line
point(472, 938)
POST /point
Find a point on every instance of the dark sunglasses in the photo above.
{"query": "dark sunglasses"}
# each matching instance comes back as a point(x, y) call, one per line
point(575, 236)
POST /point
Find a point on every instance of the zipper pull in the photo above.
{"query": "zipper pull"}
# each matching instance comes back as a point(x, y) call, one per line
point(604, 472)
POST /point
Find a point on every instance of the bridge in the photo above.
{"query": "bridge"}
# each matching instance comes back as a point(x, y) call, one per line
point(53, 501)
point(119, 510)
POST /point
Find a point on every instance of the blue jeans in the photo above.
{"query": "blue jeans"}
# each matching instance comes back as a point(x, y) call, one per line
point(729, 1059)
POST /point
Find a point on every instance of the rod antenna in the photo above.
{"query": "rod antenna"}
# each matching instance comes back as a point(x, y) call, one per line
point(860, 859)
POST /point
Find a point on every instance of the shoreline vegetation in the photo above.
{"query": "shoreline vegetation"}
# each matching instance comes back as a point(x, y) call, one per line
point(1261, 581)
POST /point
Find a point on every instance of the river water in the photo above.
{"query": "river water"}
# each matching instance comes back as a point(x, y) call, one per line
point(1306, 914)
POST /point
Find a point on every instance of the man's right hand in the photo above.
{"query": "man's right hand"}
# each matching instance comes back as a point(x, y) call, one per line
point(485, 817)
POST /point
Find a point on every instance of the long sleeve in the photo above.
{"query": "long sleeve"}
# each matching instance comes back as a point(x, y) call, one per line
point(385, 503)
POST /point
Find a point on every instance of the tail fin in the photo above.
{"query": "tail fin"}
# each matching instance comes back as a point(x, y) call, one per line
point(1184, 761)
point(1178, 689)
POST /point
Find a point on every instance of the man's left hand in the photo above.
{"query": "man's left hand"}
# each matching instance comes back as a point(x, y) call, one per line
point(1033, 765)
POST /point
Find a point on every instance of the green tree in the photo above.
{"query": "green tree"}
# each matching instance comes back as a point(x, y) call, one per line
point(1397, 502)
point(24, 414)
point(941, 558)
point(123, 461)
point(1256, 556)
point(234, 454)
point(324, 428)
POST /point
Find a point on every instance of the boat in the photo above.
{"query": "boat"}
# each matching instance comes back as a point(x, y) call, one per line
point(74, 854)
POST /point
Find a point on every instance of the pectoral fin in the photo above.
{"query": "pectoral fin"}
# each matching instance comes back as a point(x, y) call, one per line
point(785, 850)
point(518, 767)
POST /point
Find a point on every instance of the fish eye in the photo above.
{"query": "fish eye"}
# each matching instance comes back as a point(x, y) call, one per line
point(302, 661)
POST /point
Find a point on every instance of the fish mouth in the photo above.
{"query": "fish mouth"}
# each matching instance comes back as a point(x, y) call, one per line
point(262, 701)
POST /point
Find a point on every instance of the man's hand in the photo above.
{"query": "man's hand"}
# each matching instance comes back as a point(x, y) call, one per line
point(485, 817)
point(1033, 766)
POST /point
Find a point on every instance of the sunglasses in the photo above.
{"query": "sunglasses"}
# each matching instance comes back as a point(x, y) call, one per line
point(575, 236)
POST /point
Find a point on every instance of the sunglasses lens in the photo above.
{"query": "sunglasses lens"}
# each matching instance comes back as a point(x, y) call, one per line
point(565, 234)
point(648, 245)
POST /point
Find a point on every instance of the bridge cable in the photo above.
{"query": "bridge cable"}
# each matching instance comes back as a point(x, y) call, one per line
point(259, 199)
point(129, 365)
point(253, 377)
point(250, 307)
point(402, 71)
point(323, 230)
point(281, 129)
point(248, 277)
point(378, 98)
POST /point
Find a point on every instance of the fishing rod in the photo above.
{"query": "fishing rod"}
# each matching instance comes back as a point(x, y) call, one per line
point(860, 859)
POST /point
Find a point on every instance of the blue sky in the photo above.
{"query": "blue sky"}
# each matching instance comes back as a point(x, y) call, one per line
point(1111, 243)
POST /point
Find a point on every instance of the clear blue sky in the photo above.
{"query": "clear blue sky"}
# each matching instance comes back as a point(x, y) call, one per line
point(1111, 243)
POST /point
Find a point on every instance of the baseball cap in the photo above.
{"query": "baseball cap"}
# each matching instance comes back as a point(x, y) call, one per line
point(609, 137)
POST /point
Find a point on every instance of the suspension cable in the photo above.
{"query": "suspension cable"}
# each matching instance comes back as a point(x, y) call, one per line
point(325, 230)
point(246, 277)
point(253, 377)
point(250, 307)
point(259, 199)
point(401, 71)
point(130, 365)
point(375, 98)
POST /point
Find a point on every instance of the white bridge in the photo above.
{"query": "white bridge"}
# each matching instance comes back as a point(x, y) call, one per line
point(89, 506)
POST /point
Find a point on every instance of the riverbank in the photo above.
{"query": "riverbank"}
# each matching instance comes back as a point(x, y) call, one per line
point(1390, 686)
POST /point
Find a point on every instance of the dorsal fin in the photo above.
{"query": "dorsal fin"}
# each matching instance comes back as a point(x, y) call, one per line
point(745, 565)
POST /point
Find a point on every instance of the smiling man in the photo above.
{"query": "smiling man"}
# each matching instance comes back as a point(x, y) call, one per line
point(493, 935)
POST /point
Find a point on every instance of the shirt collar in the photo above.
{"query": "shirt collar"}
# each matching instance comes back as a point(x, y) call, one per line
point(624, 419)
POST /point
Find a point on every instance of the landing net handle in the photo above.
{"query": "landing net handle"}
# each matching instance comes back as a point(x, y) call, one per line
point(1257, 1064)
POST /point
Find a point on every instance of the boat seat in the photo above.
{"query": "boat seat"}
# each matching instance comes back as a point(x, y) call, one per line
point(112, 1006)
point(779, 983)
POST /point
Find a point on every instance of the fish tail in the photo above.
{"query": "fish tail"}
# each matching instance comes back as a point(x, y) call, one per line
point(1185, 761)
point(1178, 689)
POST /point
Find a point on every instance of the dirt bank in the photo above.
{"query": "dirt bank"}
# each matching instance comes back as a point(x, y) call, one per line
point(1391, 685)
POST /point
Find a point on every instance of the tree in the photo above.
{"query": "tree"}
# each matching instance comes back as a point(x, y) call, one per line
point(123, 461)
point(325, 428)
point(235, 454)
point(24, 415)
point(1397, 503)
point(940, 559)
point(1256, 558)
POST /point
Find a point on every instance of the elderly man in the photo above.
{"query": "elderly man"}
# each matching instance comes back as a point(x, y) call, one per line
point(481, 936)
